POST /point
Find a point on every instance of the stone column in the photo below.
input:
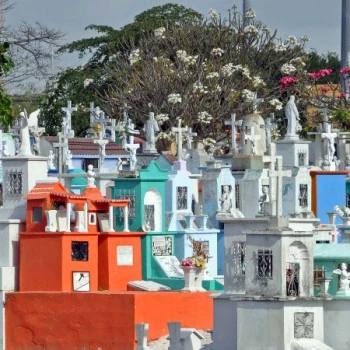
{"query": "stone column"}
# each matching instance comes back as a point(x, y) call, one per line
point(69, 210)
point(111, 229)
point(86, 222)
point(126, 219)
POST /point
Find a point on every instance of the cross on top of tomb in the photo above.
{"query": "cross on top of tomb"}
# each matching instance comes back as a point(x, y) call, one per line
point(255, 101)
point(102, 146)
point(276, 174)
point(178, 130)
point(189, 134)
point(69, 110)
point(62, 145)
point(232, 122)
point(252, 137)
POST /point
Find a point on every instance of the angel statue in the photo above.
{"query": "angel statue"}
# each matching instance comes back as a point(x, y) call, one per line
point(344, 277)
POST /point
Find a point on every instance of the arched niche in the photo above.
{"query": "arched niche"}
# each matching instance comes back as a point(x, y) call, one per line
point(152, 204)
point(298, 270)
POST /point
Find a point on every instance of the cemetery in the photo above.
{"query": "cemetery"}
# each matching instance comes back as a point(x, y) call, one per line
point(231, 224)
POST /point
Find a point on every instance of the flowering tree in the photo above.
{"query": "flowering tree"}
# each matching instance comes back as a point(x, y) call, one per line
point(201, 71)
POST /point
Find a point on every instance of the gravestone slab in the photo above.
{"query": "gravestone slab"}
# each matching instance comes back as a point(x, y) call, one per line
point(170, 265)
point(148, 286)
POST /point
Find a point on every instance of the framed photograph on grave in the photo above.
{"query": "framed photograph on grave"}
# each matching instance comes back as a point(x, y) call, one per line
point(81, 281)
point(125, 255)
point(162, 245)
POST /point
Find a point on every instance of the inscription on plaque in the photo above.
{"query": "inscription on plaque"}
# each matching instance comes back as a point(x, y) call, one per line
point(170, 265)
point(162, 245)
point(125, 255)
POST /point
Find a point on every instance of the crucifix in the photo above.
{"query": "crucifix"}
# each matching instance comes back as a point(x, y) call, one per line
point(276, 175)
point(252, 137)
point(102, 147)
point(131, 148)
point(178, 130)
point(62, 146)
point(188, 135)
point(69, 110)
point(255, 101)
point(232, 122)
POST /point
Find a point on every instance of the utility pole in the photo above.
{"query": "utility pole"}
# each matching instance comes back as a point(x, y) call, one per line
point(2, 19)
point(345, 43)
point(247, 4)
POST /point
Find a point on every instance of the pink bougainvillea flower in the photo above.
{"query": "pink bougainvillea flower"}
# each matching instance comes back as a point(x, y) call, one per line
point(320, 73)
point(345, 70)
point(342, 95)
point(325, 89)
point(286, 81)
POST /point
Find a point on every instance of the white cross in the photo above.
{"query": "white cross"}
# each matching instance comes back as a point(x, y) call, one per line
point(252, 138)
point(189, 139)
point(232, 122)
point(255, 101)
point(62, 145)
point(276, 189)
point(102, 147)
point(68, 110)
point(179, 131)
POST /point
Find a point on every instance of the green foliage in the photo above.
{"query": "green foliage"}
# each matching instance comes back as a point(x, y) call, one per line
point(330, 60)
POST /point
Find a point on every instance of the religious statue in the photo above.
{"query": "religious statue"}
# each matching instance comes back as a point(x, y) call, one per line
point(328, 144)
point(69, 161)
point(5, 151)
point(264, 198)
point(292, 115)
point(91, 176)
point(24, 149)
point(344, 277)
point(133, 160)
point(50, 161)
point(226, 200)
point(151, 128)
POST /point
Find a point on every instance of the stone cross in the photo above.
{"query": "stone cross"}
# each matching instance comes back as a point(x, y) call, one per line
point(189, 134)
point(335, 233)
point(179, 131)
point(69, 110)
point(141, 335)
point(276, 190)
point(102, 147)
point(174, 335)
point(252, 138)
point(232, 122)
point(131, 147)
point(62, 145)
point(255, 101)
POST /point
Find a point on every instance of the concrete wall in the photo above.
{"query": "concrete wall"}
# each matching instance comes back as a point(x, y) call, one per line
point(98, 320)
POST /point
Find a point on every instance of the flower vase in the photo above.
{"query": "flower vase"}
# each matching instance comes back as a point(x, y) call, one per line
point(193, 279)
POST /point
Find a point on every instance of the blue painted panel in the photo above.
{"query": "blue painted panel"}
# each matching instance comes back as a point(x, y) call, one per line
point(331, 191)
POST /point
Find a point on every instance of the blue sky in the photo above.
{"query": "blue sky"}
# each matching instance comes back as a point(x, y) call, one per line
point(320, 20)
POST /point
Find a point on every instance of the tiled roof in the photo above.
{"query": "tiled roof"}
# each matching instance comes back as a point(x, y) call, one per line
point(43, 189)
point(86, 146)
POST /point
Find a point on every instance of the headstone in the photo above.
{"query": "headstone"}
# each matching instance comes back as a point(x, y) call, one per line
point(170, 265)
point(147, 286)
point(141, 335)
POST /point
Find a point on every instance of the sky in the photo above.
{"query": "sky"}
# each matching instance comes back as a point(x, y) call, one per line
point(320, 20)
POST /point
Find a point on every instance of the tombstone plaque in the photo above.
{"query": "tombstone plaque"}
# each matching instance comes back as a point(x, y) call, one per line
point(125, 255)
point(170, 266)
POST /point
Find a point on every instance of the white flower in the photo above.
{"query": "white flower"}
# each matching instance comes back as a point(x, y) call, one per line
point(174, 98)
point(204, 117)
point(214, 14)
point(198, 87)
point(158, 33)
point(189, 60)
point(217, 52)
point(134, 56)
point(166, 135)
point(288, 68)
point(280, 47)
point(248, 95)
point(228, 69)
point(305, 38)
point(208, 141)
point(212, 75)
point(245, 72)
point(257, 82)
point(217, 88)
point(250, 14)
point(292, 39)
point(298, 61)
point(161, 118)
point(276, 103)
point(251, 29)
point(87, 82)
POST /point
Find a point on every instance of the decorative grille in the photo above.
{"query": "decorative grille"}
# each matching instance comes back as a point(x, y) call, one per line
point(292, 279)
point(14, 184)
point(264, 263)
point(237, 195)
point(126, 194)
point(239, 258)
point(182, 198)
point(304, 325)
point(149, 216)
point(318, 274)
point(303, 195)
point(302, 159)
point(80, 251)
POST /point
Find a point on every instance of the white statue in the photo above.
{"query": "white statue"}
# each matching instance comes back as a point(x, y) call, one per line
point(50, 161)
point(133, 159)
point(5, 151)
point(69, 161)
point(344, 277)
point(264, 198)
point(151, 129)
point(328, 145)
point(91, 176)
point(24, 149)
point(226, 200)
point(292, 115)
